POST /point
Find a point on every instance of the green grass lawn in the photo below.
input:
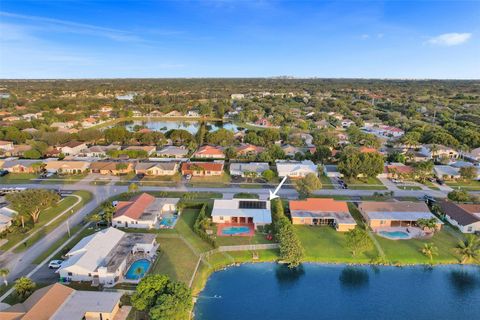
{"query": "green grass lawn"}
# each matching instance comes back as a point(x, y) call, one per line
point(18, 178)
point(408, 251)
point(44, 218)
point(175, 259)
point(100, 182)
point(245, 195)
point(324, 244)
point(409, 188)
point(258, 238)
point(431, 185)
point(366, 184)
point(472, 185)
point(64, 178)
point(326, 182)
point(184, 227)
point(160, 180)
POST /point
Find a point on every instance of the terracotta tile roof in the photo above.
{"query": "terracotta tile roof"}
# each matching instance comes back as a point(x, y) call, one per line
point(367, 150)
point(319, 205)
point(72, 144)
point(207, 166)
point(399, 169)
point(209, 150)
point(134, 208)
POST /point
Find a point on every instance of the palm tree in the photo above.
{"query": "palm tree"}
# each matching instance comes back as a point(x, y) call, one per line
point(433, 150)
point(4, 273)
point(468, 249)
point(429, 250)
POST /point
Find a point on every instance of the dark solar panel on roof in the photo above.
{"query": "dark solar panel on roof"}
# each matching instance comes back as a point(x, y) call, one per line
point(252, 205)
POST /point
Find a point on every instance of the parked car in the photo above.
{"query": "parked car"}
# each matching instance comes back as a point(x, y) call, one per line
point(55, 264)
point(440, 182)
point(188, 177)
point(3, 173)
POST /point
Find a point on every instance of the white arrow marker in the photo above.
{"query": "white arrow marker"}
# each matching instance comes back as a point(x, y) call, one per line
point(273, 194)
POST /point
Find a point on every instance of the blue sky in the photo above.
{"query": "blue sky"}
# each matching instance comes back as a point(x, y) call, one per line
point(358, 39)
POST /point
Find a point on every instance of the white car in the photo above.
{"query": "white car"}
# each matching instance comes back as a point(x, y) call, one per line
point(55, 264)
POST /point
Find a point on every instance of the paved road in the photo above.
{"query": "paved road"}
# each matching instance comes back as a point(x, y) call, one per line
point(21, 263)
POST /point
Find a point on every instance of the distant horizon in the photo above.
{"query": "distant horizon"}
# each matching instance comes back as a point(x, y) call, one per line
point(233, 78)
point(48, 39)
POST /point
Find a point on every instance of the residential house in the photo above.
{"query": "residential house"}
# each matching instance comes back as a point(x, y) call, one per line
point(202, 169)
point(193, 113)
point(150, 150)
point(237, 96)
point(59, 302)
point(473, 154)
point(346, 123)
point(437, 151)
point(295, 169)
point(242, 211)
point(6, 145)
point(72, 148)
point(462, 215)
point(155, 114)
point(102, 257)
point(263, 122)
point(173, 152)
point(174, 113)
point(18, 150)
point(113, 168)
point(22, 166)
point(322, 124)
point(143, 211)
point(446, 172)
point(209, 152)
point(291, 151)
point(157, 168)
point(395, 214)
point(247, 149)
point(68, 167)
point(398, 171)
point(88, 122)
point(99, 151)
point(318, 211)
point(6, 217)
point(252, 169)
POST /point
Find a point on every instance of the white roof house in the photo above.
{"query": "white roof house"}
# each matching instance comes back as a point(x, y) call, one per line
point(6, 217)
point(295, 169)
point(446, 172)
point(242, 211)
point(239, 169)
point(103, 256)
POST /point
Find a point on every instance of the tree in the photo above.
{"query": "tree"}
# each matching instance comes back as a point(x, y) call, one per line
point(162, 298)
point(230, 153)
point(4, 273)
point(322, 154)
point(306, 185)
point(32, 201)
point(468, 173)
point(358, 241)
point(117, 134)
point(108, 211)
point(430, 224)
point(469, 248)
point(423, 170)
point(429, 250)
point(32, 154)
point(458, 196)
point(24, 287)
point(221, 137)
point(96, 218)
point(268, 175)
point(132, 187)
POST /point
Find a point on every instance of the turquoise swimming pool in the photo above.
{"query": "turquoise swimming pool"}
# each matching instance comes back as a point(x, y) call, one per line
point(395, 234)
point(137, 269)
point(168, 221)
point(235, 230)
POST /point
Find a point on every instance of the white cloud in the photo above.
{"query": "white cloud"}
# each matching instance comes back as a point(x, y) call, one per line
point(450, 39)
point(364, 36)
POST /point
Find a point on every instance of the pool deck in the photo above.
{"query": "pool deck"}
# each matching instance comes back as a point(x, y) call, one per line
point(222, 226)
point(413, 232)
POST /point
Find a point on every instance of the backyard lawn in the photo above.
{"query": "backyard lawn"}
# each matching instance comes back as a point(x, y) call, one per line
point(325, 244)
point(175, 259)
point(326, 182)
point(408, 251)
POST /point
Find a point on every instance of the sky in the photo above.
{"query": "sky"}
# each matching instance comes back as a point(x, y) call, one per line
point(248, 38)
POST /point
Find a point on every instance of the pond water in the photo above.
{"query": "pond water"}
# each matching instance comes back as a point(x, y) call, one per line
point(272, 291)
point(190, 126)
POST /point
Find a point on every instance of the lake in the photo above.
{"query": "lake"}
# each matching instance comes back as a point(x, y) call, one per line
point(272, 291)
point(190, 126)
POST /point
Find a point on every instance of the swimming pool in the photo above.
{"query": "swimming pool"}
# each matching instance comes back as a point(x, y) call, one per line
point(168, 221)
point(395, 234)
point(137, 269)
point(235, 230)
